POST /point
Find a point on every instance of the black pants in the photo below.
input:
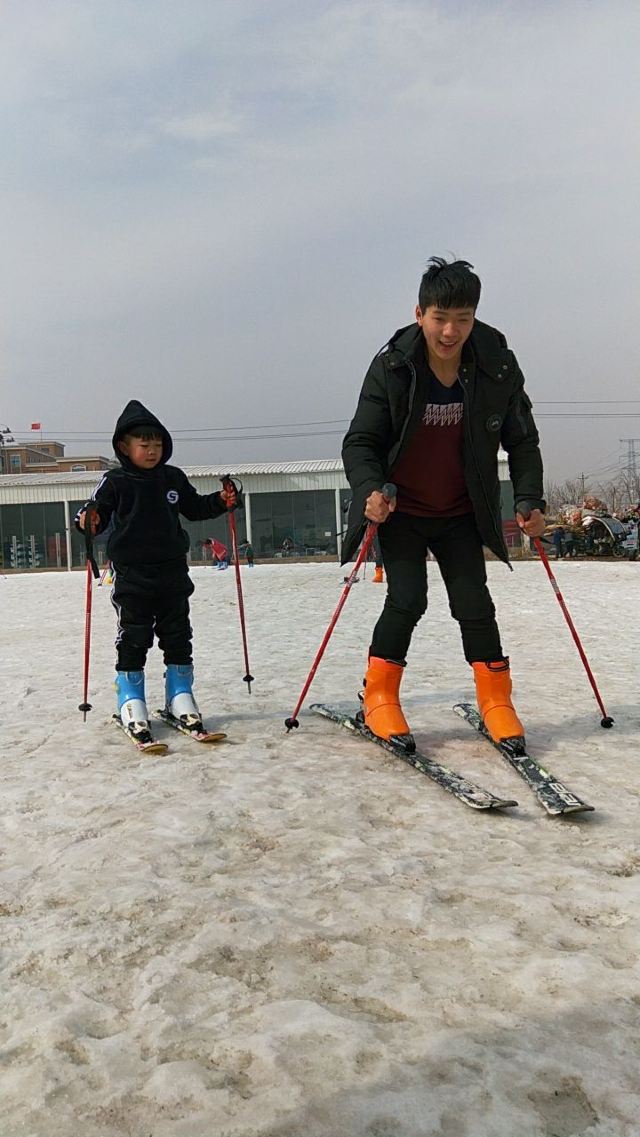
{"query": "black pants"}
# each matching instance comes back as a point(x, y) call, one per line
point(456, 546)
point(152, 599)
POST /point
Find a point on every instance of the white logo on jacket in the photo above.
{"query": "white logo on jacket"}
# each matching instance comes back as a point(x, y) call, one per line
point(173, 496)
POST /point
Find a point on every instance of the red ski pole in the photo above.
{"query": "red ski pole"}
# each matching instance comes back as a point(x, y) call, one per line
point(248, 677)
point(92, 570)
point(389, 491)
point(606, 720)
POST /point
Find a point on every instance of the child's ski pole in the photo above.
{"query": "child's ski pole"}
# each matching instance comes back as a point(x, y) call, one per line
point(606, 720)
point(248, 677)
point(389, 491)
point(92, 571)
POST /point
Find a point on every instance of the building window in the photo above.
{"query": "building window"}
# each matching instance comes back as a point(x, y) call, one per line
point(77, 468)
point(15, 462)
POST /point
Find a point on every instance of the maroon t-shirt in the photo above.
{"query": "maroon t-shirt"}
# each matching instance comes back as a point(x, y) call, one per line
point(430, 474)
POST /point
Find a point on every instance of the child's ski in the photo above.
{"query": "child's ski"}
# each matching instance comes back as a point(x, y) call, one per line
point(551, 793)
point(472, 795)
point(206, 736)
point(145, 743)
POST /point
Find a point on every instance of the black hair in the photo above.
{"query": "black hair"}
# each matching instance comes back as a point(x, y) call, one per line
point(449, 285)
point(146, 433)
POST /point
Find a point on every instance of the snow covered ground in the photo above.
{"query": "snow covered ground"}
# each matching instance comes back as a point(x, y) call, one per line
point(298, 934)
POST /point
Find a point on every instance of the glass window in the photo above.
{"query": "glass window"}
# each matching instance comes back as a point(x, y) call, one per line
point(293, 524)
point(32, 536)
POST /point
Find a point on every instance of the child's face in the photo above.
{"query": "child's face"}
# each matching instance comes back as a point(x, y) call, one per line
point(144, 453)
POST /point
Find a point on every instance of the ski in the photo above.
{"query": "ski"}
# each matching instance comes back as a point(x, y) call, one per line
point(207, 736)
point(472, 795)
point(551, 793)
point(144, 745)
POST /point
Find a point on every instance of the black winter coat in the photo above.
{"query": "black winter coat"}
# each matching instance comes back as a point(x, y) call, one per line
point(145, 505)
point(497, 411)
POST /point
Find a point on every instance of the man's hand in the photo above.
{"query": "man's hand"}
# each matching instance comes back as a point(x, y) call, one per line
point(95, 520)
point(533, 523)
point(378, 507)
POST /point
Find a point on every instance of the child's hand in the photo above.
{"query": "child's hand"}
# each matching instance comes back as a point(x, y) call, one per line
point(94, 522)
point(228, 496)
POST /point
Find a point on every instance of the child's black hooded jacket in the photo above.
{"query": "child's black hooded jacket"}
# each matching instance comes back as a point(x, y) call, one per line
point(145, 505)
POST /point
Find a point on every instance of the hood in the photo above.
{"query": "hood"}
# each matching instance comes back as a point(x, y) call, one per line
point(136, 414)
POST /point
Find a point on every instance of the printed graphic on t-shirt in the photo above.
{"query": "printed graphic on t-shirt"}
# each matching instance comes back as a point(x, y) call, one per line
point(430, 474)
point(442, 414)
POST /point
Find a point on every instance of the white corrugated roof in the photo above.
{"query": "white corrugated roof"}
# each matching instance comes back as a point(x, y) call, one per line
point(309, 466)
point(50, 479)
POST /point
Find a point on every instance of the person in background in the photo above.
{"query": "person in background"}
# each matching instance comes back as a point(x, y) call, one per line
point(558, 541)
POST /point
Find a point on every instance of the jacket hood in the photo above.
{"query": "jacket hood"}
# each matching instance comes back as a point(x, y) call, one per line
point(136, 414)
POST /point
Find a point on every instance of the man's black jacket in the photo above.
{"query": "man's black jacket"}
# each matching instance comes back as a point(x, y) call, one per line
point(145, 505)
point(497, 412)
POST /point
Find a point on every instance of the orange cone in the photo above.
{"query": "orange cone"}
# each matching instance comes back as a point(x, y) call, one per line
point(493, 692)
point(378, 576)
point(381, 702)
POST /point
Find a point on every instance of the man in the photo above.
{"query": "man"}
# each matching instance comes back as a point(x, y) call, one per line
point(436, 404)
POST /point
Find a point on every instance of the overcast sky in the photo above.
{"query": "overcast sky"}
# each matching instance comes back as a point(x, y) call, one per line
point(224, 209)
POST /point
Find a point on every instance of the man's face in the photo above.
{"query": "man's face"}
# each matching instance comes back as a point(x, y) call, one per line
point(445, 330)
point(144, 453)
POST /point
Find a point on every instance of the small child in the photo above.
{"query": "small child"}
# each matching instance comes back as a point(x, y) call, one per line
point(148, 553)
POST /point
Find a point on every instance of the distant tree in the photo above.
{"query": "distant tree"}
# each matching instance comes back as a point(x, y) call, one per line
point(570, 492)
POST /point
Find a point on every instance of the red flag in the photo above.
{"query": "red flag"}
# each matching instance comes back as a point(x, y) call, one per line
point(36, 426)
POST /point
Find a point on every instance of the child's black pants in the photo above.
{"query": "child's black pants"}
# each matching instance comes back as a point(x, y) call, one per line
point(152, 600)
point(455, 543)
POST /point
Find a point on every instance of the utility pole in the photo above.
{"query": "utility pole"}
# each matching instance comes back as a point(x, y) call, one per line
point(631, 467)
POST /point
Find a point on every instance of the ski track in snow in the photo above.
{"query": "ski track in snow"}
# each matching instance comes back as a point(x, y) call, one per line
point(298, 934)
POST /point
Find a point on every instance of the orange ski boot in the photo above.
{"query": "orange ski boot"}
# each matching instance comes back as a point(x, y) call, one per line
point(378, 576)
point(493, 692)
point(381, 702)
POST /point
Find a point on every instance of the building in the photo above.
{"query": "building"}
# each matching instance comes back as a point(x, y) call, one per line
point(46, 458)
point(292, 509)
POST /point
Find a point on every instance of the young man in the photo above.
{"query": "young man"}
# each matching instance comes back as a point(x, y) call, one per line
point(436, 404)
point(148, 553)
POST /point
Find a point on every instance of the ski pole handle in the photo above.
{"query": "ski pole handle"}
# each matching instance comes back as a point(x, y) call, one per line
point(90, 513)
point(228, 483)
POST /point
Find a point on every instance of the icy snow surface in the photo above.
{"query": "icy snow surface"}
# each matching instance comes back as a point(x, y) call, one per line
point(298, 934)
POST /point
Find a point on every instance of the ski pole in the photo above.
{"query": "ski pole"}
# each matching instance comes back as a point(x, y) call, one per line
point(606, 720)
point(104, 574)
point(92, 571)
point(389, 491)
point(248, 677)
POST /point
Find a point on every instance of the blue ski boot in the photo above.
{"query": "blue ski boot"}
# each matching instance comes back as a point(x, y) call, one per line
point(132, 707)
point(180, 703)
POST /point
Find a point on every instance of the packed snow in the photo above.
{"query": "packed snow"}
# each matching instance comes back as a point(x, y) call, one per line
point(298, 934)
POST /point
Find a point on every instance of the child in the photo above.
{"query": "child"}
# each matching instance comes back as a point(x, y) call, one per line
point(436, 403)
point(148, 554)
